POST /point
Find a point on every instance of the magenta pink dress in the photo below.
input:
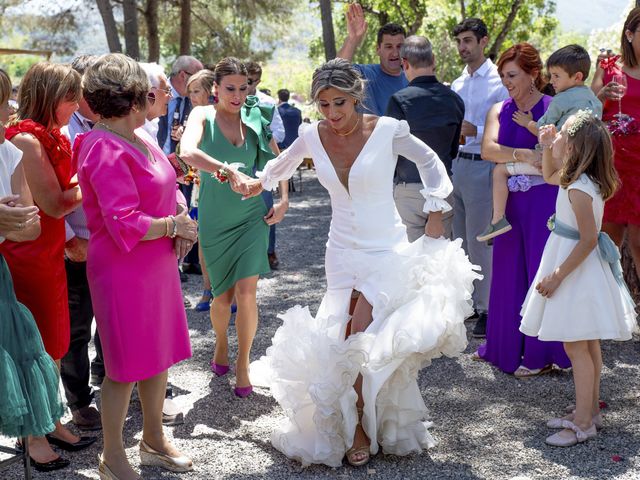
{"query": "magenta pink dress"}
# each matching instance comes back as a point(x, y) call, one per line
point(135, 287)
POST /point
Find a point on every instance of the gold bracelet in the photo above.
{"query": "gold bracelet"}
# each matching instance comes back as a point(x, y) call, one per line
point(174, 232)
point(166, 225)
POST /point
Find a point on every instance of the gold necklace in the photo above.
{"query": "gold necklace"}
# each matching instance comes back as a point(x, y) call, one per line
point(349, 132)
point(133, 140)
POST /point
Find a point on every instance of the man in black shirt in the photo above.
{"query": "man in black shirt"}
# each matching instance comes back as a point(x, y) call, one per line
point(434, 114)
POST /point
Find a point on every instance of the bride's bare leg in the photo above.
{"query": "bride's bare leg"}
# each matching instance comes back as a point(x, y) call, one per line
point(360, 320)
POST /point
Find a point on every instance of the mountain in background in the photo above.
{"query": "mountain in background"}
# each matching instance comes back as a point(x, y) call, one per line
point(585, 15)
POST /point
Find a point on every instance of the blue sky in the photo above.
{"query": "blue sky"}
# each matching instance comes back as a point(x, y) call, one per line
point(584, 15)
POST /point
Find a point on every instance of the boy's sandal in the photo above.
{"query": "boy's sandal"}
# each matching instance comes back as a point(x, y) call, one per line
point(573, 435)
point(363, 451)
point(524, 372)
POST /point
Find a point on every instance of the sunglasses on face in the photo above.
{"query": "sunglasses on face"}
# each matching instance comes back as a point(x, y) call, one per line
point(166, 91)
point(252, 81)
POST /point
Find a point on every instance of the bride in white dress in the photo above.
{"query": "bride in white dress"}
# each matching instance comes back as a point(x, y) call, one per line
point(347, 380)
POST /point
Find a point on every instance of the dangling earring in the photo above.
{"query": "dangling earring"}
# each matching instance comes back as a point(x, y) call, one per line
point(629, 39)
point(532, 87)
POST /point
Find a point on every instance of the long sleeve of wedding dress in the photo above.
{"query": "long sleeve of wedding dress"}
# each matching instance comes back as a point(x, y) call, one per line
point(284, 165)
point(433, 173)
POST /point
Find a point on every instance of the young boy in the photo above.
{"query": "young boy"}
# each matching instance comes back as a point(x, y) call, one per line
point(568, 69)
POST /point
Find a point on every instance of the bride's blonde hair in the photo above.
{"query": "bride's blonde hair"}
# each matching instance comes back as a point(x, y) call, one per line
point(340, 74)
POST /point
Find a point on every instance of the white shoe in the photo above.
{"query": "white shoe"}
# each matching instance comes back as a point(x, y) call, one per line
point(153, 458)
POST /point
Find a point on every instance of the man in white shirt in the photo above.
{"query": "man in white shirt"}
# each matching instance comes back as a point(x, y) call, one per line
point(74, 367)
point(480, 87)
point(254, 71)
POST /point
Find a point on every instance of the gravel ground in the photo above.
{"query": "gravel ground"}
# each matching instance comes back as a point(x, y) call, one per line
point(489, 425)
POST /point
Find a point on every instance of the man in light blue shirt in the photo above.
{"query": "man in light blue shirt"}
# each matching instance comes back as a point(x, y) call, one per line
point(385, 78)
point(480, 87)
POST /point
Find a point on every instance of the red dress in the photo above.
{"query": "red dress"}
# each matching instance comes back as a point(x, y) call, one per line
point(37, 267)
point(624, 207)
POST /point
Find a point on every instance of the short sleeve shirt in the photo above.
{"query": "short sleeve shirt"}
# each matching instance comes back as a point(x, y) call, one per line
point(379, 88)
point(10, 157)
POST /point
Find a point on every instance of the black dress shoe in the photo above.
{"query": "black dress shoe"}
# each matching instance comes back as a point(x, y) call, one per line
point(274, 263)
point(56, 464)
point(480, 329)
point(83, 443)
point(191, 268)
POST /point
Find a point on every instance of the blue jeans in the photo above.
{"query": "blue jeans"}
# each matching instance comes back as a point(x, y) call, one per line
point(267, 196)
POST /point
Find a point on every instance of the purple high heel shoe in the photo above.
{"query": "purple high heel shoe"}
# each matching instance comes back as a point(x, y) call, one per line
point(219, 370)
point(243, 392)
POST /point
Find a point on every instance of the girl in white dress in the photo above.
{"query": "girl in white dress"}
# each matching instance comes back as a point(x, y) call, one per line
point(347, 380)
point(578, 295)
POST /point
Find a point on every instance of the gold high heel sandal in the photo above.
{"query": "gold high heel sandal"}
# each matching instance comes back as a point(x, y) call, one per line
point(353, 452)
point(153, 458)
point(104, 472)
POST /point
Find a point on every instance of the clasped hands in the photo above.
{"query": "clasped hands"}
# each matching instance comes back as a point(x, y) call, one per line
point(243, 184)
point(14, 216)
point(186, 234)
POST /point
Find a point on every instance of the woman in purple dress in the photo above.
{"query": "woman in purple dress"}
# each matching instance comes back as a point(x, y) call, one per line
point(517, 253)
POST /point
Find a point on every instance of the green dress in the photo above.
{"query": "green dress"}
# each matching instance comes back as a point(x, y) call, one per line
point(30, 401)
point(233, 234)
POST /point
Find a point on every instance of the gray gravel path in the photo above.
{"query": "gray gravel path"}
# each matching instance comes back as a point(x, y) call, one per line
point(489, 425)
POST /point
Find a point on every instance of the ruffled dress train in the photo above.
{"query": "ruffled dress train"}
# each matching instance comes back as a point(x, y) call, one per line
point(420, 297)
point(30, 401)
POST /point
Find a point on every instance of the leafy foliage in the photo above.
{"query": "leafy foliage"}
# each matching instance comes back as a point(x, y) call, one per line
point(435, 19)
point(240, 28)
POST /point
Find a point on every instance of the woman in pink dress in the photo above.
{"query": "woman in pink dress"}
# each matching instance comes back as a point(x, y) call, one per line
point(622, 211)
point(137, 232)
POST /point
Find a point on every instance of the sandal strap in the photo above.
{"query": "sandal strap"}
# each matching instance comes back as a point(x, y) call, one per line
point(580, 434)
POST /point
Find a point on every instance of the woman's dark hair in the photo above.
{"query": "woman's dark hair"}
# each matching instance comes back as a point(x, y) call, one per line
point(626, 49)
point(114, 85)
point(528, 59)
point(228, 66)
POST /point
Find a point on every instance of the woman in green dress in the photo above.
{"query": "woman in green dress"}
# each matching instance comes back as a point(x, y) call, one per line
point(232, 140)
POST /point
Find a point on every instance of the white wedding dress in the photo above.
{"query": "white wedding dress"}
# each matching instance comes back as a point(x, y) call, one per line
point(420, 293)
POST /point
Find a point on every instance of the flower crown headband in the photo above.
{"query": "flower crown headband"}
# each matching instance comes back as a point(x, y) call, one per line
point(581, 118)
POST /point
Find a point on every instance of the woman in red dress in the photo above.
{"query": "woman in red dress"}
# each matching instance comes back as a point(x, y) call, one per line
point(47, 98)
point(622, 212)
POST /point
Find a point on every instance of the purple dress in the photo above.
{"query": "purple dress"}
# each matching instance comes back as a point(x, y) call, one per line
point(516, 256)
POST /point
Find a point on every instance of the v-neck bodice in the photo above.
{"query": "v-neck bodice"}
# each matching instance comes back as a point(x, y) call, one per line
point(355, 160)
point(364, 216)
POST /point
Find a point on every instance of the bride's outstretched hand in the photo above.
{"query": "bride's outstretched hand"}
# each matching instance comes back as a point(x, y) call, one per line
point(254, 188)
point(237, 180)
